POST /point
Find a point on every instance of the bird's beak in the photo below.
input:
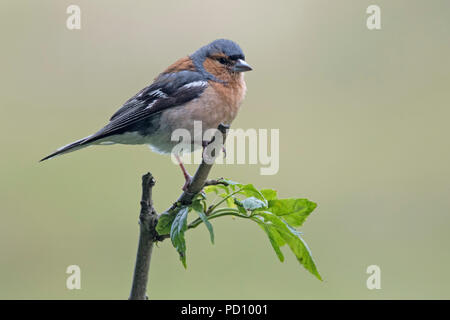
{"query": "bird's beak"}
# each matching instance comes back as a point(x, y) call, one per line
point(241, 66)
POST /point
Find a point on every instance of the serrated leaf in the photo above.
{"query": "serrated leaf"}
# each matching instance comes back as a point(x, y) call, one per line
point(253, 203)
point(269, 194)
point(179, 226)
point(293, 211)
point(274, 237)
point(249, 190)
point(303, 254)
point(277, 217)
point(293, 239)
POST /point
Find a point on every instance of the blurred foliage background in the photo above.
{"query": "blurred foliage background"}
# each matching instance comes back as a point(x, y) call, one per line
point(363, 118)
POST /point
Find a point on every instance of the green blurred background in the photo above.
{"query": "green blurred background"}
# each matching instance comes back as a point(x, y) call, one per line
point(363, 118)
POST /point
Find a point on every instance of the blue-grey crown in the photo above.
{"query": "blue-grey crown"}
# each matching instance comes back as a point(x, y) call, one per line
point(227, 47)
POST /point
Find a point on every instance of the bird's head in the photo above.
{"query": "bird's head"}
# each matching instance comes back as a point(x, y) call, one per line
point(220, 60)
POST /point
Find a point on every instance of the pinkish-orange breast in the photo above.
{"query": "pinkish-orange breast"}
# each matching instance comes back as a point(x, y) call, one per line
point(217, 104)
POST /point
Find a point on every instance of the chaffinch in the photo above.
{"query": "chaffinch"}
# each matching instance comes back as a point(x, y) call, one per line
point(207, 86)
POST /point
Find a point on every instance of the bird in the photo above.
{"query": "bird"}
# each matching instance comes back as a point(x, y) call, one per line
point(206, 86)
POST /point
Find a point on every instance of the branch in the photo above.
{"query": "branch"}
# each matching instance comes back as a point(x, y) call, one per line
point(201, 175)
point(148, 217)
point(147, 237)
point(215, 182)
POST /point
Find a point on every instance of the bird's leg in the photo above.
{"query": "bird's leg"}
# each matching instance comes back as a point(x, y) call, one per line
point(186, 175)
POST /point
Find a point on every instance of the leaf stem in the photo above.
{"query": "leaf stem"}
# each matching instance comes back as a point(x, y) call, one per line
point(222, 201)
point(218, 213)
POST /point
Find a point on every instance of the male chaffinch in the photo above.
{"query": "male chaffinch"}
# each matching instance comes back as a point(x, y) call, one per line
point(207, 86)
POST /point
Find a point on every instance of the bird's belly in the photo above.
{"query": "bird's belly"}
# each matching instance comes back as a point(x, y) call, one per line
point(190, 121)
point(186, 124)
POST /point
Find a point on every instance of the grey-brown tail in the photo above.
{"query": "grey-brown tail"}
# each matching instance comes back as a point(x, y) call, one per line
point(69, 148)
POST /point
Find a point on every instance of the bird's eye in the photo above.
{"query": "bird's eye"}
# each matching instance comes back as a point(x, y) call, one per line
point(223, 61)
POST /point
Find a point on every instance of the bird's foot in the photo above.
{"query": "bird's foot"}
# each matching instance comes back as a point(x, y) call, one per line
point(187, 183)
point(187, 176)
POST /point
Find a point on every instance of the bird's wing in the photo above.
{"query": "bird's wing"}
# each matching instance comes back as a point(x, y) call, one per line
point(169, 90)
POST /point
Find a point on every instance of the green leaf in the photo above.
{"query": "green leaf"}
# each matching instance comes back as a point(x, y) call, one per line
point(232, 184)
point(252, 204)
point(303, 254)
point(207, 224)
point(164, 223)
point(240, 206)
point(230, 202)
point(277, 217)
point(179, 226)
point(293, 211)
point(293, 239)
point(217, 189)
point(250, 191)
point(269, 194)
point(274, 237)
point(198, 207)
point(200, 196)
